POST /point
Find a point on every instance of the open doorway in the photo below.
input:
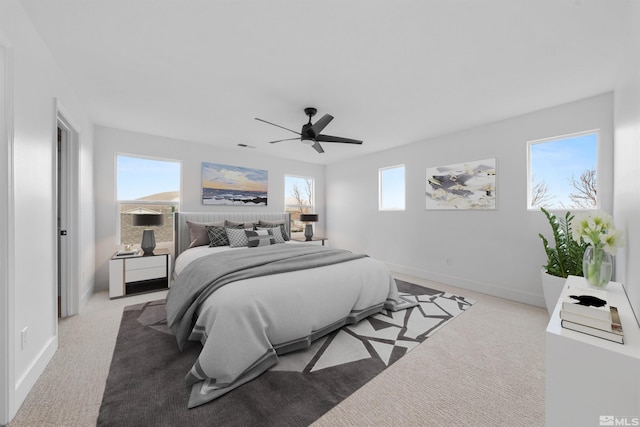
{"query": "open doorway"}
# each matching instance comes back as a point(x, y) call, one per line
point(66, 170)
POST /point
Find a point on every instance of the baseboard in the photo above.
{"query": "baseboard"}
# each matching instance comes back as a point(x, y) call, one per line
point(472, 285)
point(28, 380)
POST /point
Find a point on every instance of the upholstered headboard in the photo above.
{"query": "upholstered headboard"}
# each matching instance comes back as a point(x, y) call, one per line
point(182, 237)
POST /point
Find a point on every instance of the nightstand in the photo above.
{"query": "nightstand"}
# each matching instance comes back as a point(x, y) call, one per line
point(139, 274)
point(314, 239)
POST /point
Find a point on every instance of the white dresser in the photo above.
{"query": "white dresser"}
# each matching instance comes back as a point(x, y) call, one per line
point(589, 377)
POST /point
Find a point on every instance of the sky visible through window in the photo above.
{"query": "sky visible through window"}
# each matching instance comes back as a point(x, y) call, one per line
point(555, 162)
point(139, 177)
point(392, 188)
point(290, 182)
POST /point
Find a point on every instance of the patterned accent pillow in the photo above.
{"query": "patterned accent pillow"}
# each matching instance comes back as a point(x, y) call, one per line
point(276, 231)
point(217, 236)
point(235, 224)
point(259, 238)
point(237, 237)
point(280, 224)
point(198, 233)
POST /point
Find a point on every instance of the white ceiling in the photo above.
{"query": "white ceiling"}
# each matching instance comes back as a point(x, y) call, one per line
point(390, 72)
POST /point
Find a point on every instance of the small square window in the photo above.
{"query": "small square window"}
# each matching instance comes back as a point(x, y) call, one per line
point(563, 172)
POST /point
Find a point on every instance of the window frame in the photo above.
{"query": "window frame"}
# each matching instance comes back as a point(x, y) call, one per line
point(118, 202)
point(597, 133)
point(381, 171)
point(297, 206)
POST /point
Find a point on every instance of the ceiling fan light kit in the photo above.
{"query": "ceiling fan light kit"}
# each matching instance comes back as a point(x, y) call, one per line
point(310, 133)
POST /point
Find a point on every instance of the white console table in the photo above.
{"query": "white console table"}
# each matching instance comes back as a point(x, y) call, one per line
point(589, 377)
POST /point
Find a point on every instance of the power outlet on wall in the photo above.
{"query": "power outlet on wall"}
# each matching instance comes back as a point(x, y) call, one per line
point(23, 338)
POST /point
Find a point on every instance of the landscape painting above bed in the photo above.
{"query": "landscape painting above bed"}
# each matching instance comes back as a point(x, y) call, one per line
point(470, 185)
point(233, 185)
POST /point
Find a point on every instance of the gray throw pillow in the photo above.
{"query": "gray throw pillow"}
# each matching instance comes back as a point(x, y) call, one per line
point(280, 224)
point(259, 238)
point(237, 237)
point(217, 236)
point(198, 233)
point(275, 231)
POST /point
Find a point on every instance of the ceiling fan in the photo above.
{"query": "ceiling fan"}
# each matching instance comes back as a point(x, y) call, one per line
point(310, 133)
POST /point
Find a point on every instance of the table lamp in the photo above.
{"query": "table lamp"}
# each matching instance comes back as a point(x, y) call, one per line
point(308, 229)
point(147, 220)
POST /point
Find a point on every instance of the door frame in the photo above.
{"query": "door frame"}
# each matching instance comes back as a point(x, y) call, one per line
point(70, 288)
point(7, 258)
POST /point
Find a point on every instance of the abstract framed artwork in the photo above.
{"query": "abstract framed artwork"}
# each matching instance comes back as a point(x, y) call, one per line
point(462, 186)
point(233, 185)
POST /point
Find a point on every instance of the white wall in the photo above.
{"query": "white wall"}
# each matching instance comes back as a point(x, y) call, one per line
point(627, 160)
point(495, 252)
point(6, 228)
point(37, 83)
point(109, 142)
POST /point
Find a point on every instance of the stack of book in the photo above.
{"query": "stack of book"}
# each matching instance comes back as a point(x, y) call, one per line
point(123, 253)
point(588, 311)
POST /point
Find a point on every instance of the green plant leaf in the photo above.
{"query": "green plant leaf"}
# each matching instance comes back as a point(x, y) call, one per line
point(566, 257)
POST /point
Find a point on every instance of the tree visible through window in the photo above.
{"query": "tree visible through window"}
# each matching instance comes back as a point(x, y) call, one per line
point(147, 186)
point(563, 172)
point(298, 198)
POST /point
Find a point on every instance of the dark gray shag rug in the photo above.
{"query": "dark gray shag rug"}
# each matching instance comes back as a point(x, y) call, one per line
point(145, 385)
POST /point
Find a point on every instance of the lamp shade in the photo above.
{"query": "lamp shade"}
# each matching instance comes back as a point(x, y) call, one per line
point(309, 217)
point(147, 220)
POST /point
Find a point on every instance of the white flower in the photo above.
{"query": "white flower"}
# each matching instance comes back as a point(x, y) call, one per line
point(599, 221)
point(596, 228)
point(579, 224)
point(612, 240)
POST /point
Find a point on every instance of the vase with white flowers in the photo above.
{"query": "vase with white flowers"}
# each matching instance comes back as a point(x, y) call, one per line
point(596, 229)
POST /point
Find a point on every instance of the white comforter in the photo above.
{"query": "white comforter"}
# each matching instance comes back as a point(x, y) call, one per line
point(244, 325)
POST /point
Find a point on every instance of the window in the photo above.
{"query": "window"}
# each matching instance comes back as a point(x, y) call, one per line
point(563, 172)
point(146, 185)
point(298, 199)
point(391, 188)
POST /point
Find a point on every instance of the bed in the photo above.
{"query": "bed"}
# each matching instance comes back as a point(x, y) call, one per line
point(247, 305)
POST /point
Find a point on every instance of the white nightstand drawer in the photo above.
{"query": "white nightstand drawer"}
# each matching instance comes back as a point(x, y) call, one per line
point(138, 274)
point(140, 263)
point(145, 274)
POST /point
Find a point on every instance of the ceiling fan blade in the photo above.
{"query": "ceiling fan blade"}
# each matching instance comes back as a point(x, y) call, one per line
point(320, 124)
point(329, 138)
point(280, 140)
point(273, 124)
point(316, 146)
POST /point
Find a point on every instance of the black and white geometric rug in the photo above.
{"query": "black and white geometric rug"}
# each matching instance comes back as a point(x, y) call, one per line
point(146, 385)
point(384, 337)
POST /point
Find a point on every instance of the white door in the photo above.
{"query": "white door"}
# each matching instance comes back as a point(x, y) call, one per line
point(62, 202)
point(66, 176)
